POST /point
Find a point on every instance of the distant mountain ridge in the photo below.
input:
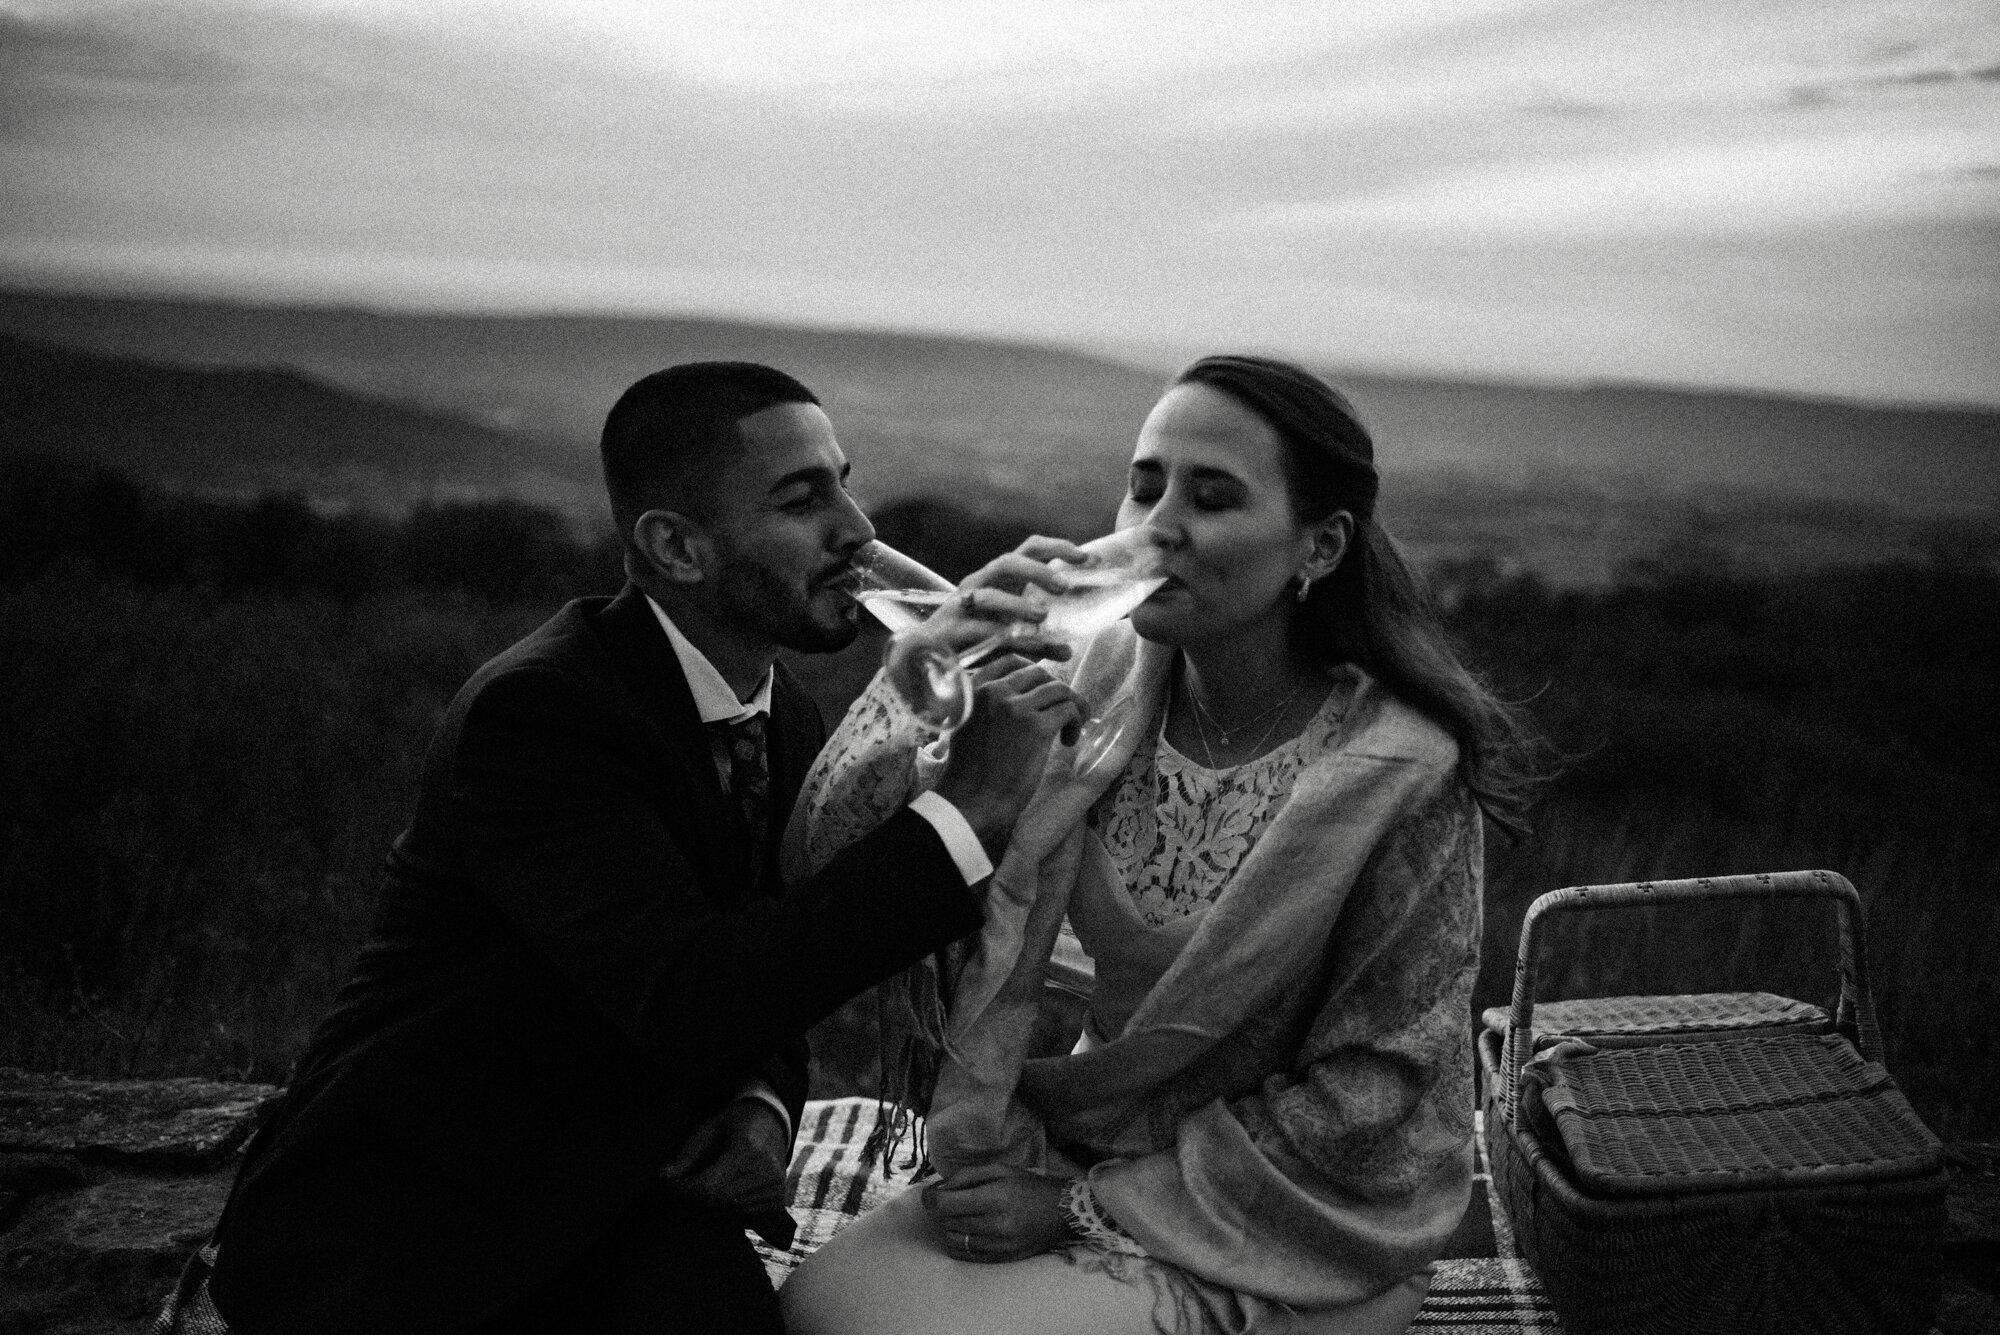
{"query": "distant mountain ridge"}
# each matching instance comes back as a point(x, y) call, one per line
point(980, 422)
point(1699, 444)
point(982, 419)
point(254, 430)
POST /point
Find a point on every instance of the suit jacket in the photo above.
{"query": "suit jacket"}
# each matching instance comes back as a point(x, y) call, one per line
point(573, 964)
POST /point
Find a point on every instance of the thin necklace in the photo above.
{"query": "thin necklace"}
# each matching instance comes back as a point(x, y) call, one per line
point(1201, 712)
point(1201, 732)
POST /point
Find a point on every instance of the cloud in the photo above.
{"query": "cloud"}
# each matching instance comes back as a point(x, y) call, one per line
point(896, 48)
point(54, 67)
point(80, 53)
point(1746, 185)
point(1695, 59)
point(896, 57)
point(1123, 169)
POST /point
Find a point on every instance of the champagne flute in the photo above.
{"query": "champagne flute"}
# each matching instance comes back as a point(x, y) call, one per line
point(1120, 571)
point(1125, 569)
point(901, 592)
point(898, 590)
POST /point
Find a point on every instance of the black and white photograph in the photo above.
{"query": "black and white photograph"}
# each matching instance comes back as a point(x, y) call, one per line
point(939, 667)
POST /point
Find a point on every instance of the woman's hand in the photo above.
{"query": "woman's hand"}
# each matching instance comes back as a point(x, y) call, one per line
point(992, 598)
point(993, 1212)
point(997, 758)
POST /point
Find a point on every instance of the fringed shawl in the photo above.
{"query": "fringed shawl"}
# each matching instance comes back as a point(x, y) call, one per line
point(1286, 1115)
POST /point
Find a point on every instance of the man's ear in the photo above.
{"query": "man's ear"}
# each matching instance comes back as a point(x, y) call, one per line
point(1330, 539)
point(673, 545)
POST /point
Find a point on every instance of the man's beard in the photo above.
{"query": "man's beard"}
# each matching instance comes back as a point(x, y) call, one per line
point(780, 612)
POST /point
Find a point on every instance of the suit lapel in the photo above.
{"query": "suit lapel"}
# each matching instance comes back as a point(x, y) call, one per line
point(703, 818)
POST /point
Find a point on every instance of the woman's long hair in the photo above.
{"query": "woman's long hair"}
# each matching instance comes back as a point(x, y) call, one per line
point(1372, 611)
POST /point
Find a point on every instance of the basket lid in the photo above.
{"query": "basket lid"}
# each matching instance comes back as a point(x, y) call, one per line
point(1791, 1110)
point(1684, 1014)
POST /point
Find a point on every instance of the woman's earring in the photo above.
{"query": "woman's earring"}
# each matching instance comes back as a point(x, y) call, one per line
point(1305, 585)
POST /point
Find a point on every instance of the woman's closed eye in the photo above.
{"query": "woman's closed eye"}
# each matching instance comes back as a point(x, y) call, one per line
point(1216, 492)
point(1206, 489)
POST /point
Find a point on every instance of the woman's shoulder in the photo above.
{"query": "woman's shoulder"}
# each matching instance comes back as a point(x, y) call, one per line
point(1379, 724)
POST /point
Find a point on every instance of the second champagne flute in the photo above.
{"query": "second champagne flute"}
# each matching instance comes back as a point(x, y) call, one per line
point(1121, 570)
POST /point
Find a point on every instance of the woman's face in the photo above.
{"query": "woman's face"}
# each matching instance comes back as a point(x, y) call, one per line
point(1208, 476)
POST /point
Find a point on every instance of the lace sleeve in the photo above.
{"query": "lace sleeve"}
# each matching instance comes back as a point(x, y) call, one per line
point(880, 757)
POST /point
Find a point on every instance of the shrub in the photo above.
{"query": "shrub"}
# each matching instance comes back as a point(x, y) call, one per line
point(214, 714)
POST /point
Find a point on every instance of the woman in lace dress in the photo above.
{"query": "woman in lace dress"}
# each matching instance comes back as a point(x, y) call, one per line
point(1269, 894)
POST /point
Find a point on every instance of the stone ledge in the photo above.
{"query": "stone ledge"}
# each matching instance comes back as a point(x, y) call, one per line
point(106, 1186)
point(184, 1123)
point(105, 1253)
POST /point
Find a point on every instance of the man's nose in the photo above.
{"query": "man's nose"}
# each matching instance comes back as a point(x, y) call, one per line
point(853, 527)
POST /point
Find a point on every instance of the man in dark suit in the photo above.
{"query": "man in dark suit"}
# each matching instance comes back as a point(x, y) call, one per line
point(564, 1074)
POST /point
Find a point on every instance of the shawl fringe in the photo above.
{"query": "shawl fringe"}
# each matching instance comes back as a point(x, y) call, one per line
point(910, 1048)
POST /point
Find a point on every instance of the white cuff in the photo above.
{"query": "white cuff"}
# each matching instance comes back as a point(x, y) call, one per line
point(956, 831)
point(760, 1092)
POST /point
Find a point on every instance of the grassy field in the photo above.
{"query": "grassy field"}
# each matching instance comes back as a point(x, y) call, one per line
point(212, 718)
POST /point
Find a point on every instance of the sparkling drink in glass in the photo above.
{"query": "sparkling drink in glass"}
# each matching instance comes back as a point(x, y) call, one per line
point(1124, 570)
point(901, 592)
point(1121, 570)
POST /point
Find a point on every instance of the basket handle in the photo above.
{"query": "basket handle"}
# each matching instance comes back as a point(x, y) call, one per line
point(1856, 1014)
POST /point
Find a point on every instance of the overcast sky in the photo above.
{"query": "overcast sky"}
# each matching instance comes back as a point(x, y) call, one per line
point(1785, 194)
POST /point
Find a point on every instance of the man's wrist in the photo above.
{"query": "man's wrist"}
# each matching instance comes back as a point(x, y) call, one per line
point(759, 1094)
point(970, 847)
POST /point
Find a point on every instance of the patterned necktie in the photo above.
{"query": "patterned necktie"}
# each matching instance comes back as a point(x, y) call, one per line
point(749, 778)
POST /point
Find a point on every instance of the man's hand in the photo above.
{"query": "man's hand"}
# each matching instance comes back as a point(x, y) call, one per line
point(992, 1212)
point(735, 1161)
point(997, 757)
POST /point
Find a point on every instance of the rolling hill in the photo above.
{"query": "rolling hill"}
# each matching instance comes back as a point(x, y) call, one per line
point(386, 408)
point(985, 422)
point(244, 431)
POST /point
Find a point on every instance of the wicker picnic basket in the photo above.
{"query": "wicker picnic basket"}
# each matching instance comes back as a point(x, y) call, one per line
point(1731, 1162)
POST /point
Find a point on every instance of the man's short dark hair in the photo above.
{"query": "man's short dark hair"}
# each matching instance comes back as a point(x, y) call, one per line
point(669, 434)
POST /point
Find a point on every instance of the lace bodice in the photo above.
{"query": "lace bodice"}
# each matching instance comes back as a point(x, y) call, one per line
point(1177, 830)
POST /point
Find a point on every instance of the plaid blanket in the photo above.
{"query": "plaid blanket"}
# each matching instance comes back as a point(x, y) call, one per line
point(1492, 1293)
